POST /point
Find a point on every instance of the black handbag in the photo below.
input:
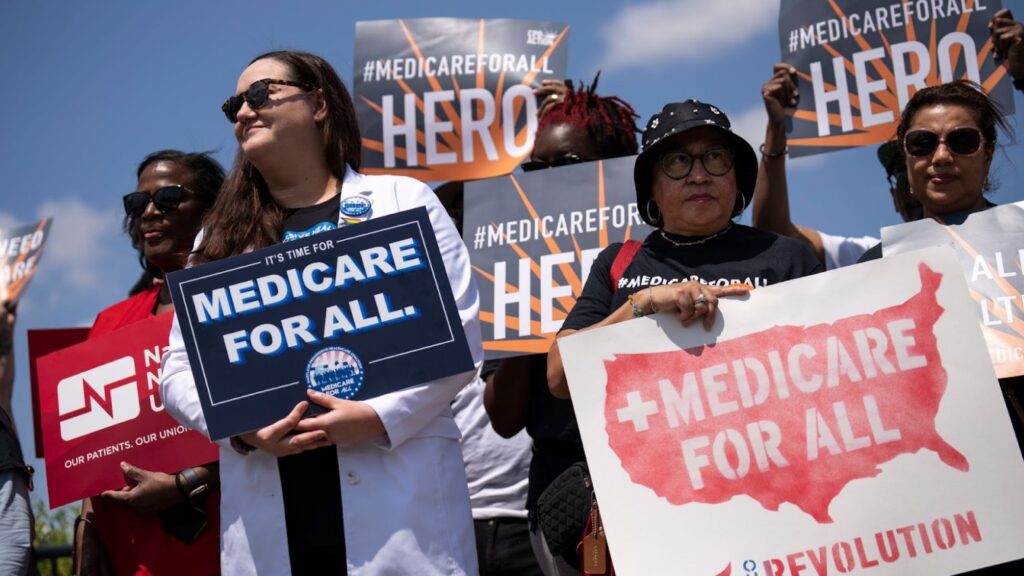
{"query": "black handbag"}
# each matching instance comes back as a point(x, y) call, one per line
point(563, 509)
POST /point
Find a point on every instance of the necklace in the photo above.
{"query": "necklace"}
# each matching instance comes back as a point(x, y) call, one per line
point(694, 242)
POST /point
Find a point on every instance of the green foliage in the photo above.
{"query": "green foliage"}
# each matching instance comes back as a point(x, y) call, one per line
point(54, 528)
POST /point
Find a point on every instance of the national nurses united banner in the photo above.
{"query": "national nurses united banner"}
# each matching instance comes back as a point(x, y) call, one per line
point(451, 98)
point(834, 424)
point(990, 245)
point(100, 405)
point(859, 61)
point(532, 238)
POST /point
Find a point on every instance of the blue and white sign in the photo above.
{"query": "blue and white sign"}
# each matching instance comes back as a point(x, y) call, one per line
point(355, 312)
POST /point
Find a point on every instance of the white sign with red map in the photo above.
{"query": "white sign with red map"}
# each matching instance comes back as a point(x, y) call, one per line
point(844, 423)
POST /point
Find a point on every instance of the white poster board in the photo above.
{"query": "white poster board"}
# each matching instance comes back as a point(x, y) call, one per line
point(697, 441)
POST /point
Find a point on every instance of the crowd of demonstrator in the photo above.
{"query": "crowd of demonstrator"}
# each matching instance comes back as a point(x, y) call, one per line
point(458, 475)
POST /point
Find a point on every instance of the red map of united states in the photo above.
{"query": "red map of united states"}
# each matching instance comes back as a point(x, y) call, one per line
point(790, 414)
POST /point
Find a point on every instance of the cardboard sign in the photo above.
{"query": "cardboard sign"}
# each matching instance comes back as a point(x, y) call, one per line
point(818, 428)
point(20, 249)
point(860, 61)
point(100, 405)
point(990, 245)
point(452, 99)
point(532, 238)
point(355, 312)
point(40, 343)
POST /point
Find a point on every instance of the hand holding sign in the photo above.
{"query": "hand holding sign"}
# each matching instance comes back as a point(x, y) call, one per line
point(146, 492)
point(1008, 42)
point(780, 92)
point(278, 439)
point(346, 423)
point(692, 300)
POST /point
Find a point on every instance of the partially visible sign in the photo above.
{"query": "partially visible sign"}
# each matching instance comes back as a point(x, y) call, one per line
point(452, 99)
point(859, 61)
point(848, 422)
point(532, 238)
point(20, 249)
point(990, 245)
point(355, 312)
point(100, 405)
point(40, 343)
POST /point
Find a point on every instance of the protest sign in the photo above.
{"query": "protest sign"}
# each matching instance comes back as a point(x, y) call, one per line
point(859, 61)
point(990, 245)
point(819, 427)
point(449, 98)
point(355, 312)
point(20, 249)
point(100, 405)
point(532, 238)
point(40, 343)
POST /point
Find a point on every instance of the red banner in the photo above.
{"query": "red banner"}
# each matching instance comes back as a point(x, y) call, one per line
point(41, 343)
point(100, 405)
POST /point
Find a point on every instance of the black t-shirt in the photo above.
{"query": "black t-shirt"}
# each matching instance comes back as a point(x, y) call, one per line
point(551, 424)
point(310, 481)
point(740, 255)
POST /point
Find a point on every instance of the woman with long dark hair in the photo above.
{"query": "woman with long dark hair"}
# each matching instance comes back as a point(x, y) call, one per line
point(373, 486)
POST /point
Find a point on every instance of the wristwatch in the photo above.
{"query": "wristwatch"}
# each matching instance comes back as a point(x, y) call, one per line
point(190, 485)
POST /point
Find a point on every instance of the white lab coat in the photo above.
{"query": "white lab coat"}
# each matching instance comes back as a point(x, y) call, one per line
point(405, 505)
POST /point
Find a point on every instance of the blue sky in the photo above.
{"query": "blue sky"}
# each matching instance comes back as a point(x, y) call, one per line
point(92, 87)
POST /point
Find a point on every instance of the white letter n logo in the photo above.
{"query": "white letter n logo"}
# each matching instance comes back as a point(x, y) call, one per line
point(98, 398)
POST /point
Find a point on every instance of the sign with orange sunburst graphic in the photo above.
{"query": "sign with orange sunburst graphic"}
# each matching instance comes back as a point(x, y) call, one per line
point(990, 244)
point(20, 249)
point(452, 99)
point(532, 238)
point(859, 61)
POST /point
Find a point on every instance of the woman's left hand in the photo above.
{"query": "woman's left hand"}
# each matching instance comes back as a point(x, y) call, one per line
point(347, 423)
point(146, 492)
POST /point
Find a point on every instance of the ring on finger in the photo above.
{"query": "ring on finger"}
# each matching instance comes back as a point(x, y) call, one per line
point(702, 299)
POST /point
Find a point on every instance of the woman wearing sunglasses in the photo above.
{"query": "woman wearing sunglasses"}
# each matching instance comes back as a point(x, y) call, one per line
point(371, 487)
point(949, 135)
point(693, 177)
point(157, 523)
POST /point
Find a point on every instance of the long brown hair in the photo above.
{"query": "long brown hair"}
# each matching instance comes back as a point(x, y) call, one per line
point(245, 215)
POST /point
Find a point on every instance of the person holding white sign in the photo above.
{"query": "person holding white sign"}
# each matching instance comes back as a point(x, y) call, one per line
point(404, 508)
point(693, 177)
point(949, 135)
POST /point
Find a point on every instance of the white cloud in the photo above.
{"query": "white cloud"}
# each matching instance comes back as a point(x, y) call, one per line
point(681, 30)
point(8, 221)
point(80, 237)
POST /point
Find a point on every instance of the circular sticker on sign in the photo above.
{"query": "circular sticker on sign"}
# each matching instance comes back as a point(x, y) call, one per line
point(336, 371)
point(355, 209)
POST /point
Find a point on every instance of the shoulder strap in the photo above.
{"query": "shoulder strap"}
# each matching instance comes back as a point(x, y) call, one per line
point(622, 261)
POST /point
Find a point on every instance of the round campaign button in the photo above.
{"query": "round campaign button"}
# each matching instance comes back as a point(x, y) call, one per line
point(336, 371)
point(355, 209)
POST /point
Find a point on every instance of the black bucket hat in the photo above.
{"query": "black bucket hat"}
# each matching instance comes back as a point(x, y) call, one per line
point(676, 118)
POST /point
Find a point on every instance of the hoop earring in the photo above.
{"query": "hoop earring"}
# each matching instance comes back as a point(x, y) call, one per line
point(654, 220)
point(743, 204)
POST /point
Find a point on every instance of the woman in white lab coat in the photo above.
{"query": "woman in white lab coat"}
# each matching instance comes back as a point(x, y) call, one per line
point(390, 466)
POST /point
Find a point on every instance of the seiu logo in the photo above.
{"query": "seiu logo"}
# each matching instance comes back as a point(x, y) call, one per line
point(98, 398)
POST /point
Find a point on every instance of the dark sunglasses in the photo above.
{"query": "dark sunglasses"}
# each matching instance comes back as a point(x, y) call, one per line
point(716, 161)
point(566, 160)
point(256, 96)
point(959, 141)
point(166, 198)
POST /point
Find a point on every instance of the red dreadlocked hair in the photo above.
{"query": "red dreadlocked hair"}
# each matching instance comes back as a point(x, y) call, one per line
point(609, 120)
